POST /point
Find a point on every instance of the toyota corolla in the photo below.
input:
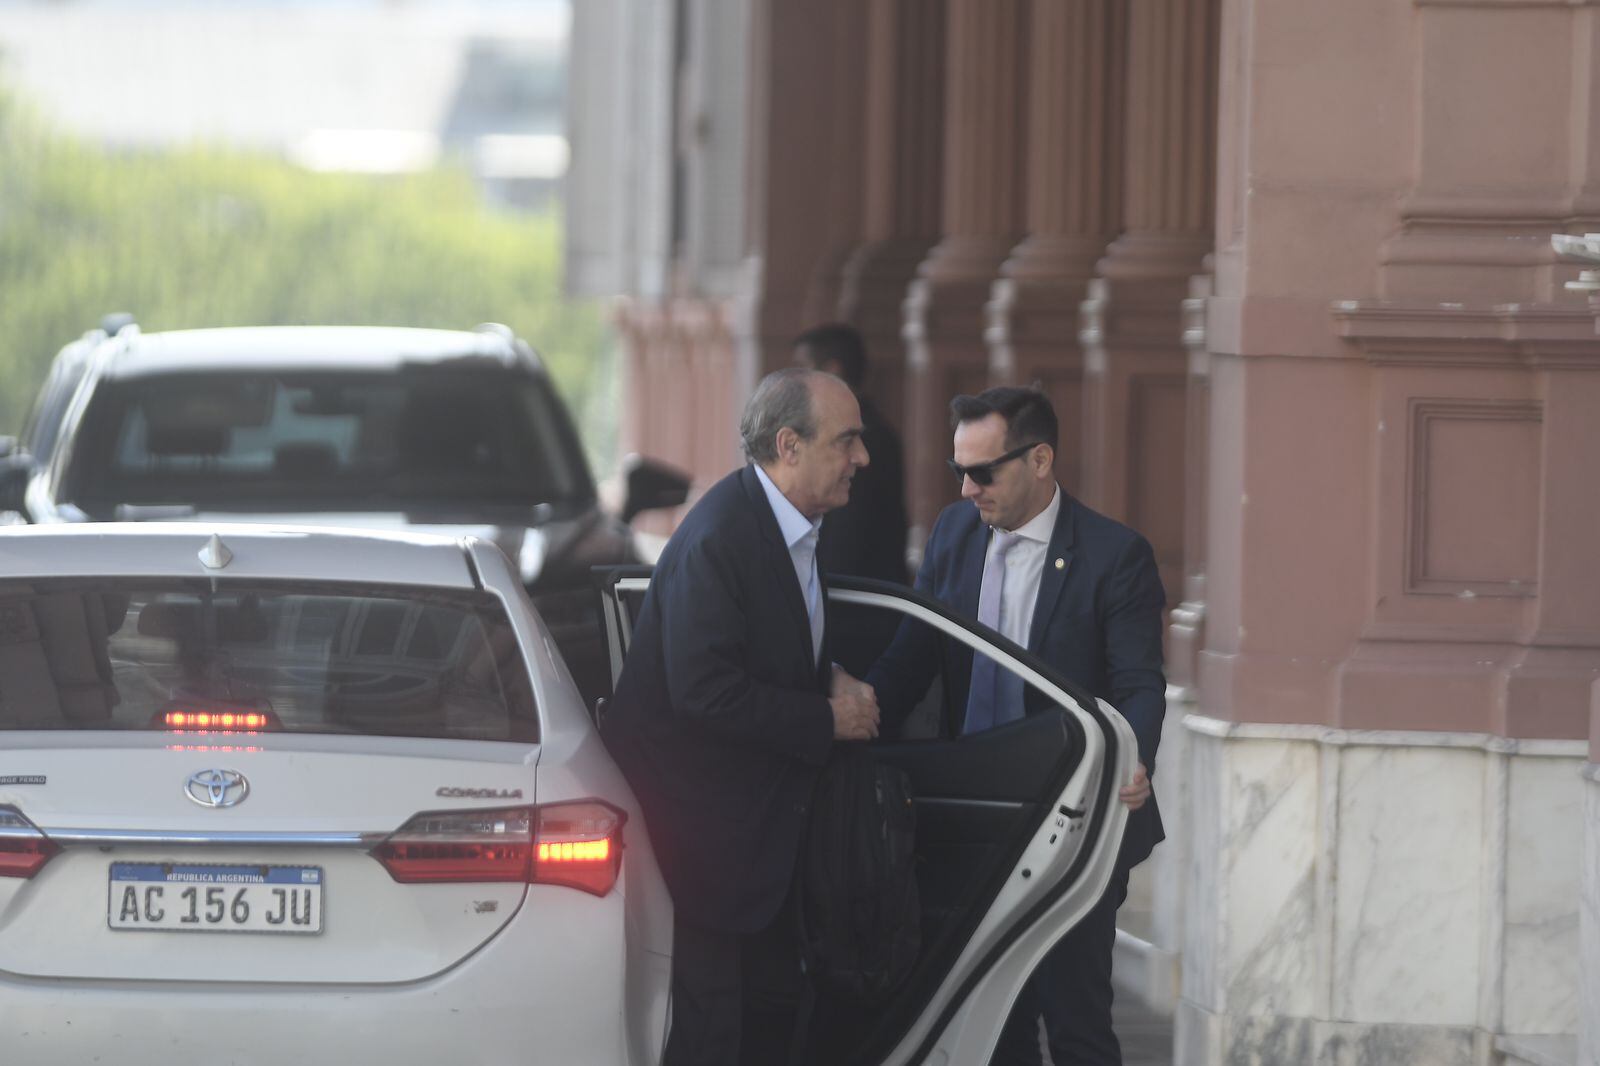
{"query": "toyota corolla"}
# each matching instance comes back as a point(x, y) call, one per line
point(302, 793)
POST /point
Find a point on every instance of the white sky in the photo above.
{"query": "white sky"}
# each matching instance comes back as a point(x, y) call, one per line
point(252, 72)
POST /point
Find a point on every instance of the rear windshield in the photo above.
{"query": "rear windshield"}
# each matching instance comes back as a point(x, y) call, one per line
point(308, 658)
point(382, 440)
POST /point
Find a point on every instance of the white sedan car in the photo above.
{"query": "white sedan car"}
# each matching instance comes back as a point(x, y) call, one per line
point(276, 794)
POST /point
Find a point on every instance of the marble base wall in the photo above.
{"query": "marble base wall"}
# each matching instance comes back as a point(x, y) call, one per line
point(1367, 896)
point(1201, 1036)
point(1148, 957)
point(1589, 922)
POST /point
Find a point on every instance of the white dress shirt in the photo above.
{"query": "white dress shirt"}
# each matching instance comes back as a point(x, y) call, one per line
point(800, 534)
point(1024, 567)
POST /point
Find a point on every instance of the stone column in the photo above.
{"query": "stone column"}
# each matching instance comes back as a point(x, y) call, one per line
point(902, 158)
point(679, 404)
point(798, 192)
point(1074, 193)
point(985, 119)
point(1132, 321)
point(848, 58)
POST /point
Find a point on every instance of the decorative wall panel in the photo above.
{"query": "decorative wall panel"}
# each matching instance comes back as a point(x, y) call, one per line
point(1473, 526)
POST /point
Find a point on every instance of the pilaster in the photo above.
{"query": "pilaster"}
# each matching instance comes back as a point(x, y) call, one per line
point(1474, 226)
point(1074, 192)
point(681, 400)
point(902, 184)
point(801, 214)
point(1186, 630)
point(842, 70)
point(1135, 361)
point(985, 120)
point(1484, 605)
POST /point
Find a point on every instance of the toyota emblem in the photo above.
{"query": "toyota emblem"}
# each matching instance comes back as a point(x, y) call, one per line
point(217, 788)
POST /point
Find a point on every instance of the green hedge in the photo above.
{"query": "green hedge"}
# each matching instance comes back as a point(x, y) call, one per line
point(208, 237)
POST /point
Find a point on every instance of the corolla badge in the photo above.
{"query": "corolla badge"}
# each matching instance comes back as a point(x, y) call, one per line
point(217, 788)
point(478, 793)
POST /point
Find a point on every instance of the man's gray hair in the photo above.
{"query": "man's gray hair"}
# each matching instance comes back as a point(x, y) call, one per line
point(783, 399)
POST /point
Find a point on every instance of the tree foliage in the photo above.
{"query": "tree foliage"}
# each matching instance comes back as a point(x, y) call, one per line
point(210, 237)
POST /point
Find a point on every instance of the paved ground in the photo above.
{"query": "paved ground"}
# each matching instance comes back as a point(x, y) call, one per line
point(1146, 1037)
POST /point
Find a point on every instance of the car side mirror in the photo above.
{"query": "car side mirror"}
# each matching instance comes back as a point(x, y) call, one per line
point(651, 485)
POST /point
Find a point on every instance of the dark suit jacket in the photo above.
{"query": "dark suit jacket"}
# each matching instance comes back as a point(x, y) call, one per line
point(1097, 620)
point(721, 718)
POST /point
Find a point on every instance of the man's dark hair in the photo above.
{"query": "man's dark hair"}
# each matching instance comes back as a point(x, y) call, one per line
point(1030, 417)
point(837, 343)
point(783, 398)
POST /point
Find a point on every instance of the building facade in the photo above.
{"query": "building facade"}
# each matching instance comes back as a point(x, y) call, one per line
point(1286, 270)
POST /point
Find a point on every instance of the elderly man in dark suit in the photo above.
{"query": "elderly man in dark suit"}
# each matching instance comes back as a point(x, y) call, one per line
point(1080, 591)
point(727, 708)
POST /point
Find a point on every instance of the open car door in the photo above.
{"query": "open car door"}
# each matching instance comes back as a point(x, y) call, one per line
point(1018, 829)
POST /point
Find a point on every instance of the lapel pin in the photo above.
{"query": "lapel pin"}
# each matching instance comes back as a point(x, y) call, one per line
point(1061, 564)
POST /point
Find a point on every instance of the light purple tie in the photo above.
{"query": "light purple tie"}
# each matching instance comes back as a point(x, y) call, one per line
point(812, 589)
point(989, 694)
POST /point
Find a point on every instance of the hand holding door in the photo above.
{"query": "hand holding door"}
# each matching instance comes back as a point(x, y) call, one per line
point(855, 711)
point(1137, 790)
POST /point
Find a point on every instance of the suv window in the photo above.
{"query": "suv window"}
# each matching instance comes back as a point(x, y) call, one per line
point(380, 440)
point(316, 658)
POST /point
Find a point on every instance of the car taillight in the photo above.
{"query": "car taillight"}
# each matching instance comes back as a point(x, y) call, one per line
point(575, 844)
point(460, 846)
point(23, 848)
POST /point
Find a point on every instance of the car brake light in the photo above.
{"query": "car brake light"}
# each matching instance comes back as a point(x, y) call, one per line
point(23, 848)
point(215, 720)
point(578, 845)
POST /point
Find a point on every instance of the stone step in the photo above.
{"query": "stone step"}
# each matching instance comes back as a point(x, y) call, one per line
point(1542, 1050)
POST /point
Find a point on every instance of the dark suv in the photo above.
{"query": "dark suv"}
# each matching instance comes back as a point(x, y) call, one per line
point(436, 430)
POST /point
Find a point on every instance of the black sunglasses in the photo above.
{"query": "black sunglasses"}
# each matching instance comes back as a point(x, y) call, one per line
point(983, 473)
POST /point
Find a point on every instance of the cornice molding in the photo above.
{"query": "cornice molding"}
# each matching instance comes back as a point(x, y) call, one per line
point(1332, 736)
point(1541, 336)
point(1554, 210)
point(1506, 3)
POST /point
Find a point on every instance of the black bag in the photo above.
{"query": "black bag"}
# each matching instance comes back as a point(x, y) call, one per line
point(860, 919)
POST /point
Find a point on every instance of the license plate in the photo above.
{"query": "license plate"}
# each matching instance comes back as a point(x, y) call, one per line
point(213, 898)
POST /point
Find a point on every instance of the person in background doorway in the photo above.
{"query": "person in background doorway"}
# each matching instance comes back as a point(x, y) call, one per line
point(867, 536)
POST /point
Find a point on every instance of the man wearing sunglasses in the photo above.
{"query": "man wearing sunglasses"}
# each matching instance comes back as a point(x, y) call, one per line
point(1082, 592)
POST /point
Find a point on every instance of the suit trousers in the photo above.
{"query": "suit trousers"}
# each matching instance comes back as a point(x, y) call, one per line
point(735, 997)
point(1071, 989)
